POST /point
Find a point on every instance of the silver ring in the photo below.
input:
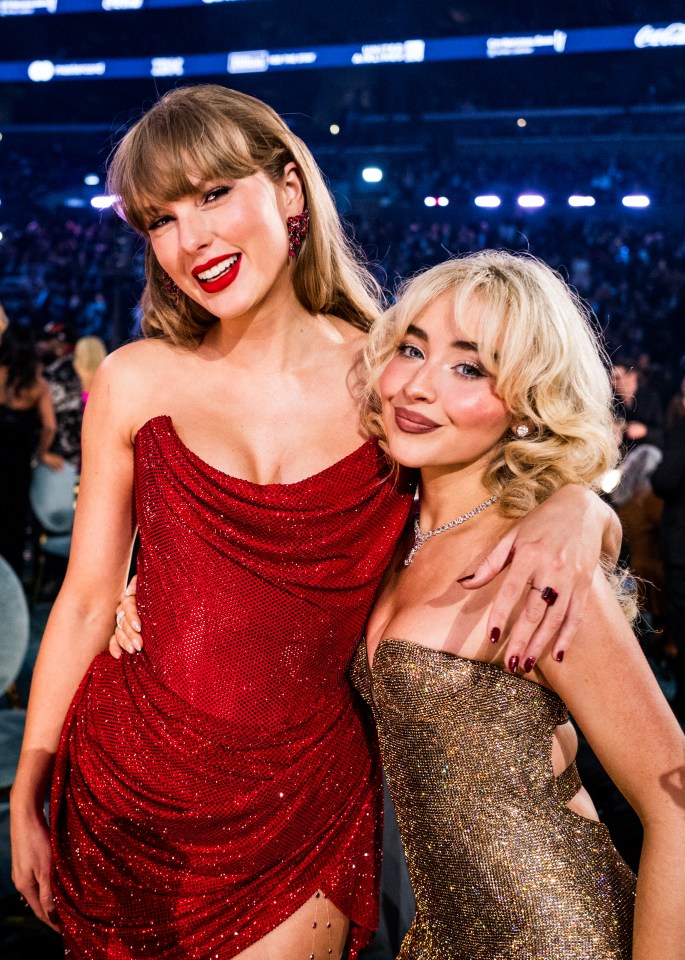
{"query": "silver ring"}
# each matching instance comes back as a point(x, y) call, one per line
point(120, 617)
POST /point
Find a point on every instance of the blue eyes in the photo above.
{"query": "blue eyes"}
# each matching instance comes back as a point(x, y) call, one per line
point(469, 371)
point(411, 351)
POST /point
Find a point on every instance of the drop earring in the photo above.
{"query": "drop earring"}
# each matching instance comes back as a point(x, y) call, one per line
point(171, 287)
point(298, 228)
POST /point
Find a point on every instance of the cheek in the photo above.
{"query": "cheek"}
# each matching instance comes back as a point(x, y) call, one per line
point(484, 412)
point(391, 380)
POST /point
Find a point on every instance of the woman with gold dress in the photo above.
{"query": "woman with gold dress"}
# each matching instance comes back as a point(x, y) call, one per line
point(487, 377)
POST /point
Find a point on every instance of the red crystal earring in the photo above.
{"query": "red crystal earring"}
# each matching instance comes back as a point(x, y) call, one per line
point(298, 228)
point(170, 287)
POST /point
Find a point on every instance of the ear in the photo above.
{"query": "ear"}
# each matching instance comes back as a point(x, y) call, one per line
point(293, 189)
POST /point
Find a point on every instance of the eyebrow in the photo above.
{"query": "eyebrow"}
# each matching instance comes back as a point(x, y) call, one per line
point(456, 344)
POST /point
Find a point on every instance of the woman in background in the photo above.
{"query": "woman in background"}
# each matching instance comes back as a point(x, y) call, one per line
point(487, 377)
point(27, 428)
point(89, 353)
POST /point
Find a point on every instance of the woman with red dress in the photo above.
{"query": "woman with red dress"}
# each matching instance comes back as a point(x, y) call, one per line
point(218, 794)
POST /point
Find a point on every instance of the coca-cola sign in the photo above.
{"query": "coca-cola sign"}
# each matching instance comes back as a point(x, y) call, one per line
point(671, 36)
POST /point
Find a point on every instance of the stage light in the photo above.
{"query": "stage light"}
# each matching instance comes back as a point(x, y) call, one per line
point(636, 200)
point(372, 174)
point(91, 180)
point(443, 202)
point(102, 203)
point(334, 129)
point(0, 234)
point(531, 201)
point(74, 202)
point(489, 200)
point(520, 122)
point(431, 201)
point(0, 136)
point(580, 200)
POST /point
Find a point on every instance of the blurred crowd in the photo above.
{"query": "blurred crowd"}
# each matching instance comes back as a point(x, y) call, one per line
point(70, 280)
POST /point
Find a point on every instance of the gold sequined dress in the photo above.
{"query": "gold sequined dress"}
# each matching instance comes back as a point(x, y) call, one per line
point(501, 868)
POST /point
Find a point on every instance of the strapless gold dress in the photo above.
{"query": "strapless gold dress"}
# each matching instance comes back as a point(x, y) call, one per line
point(501, 868)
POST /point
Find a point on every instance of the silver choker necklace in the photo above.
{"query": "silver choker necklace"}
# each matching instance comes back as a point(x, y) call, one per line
point(420, 538)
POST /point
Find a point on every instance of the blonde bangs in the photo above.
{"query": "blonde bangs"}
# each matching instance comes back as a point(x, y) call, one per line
point(163, 159)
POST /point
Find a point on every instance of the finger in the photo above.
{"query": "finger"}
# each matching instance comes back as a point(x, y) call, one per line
point(514, 588)
point(572, 621)
point(123, 640)
point(494, 563)
point(522, 632)
point(114, 648)
point(132, 585)
point(128, 605)
point(31, 897)
point(528, 644)
point(562, 619)
point(47, 904)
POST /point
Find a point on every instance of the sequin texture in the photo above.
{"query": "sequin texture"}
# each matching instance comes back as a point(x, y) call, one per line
point(207, 787)
point(501, 868)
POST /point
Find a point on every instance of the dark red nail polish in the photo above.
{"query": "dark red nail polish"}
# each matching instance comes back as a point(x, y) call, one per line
point(495, 634)
point(52, 917)
point(559, 656)
point(513, 664)
point(466, 579)
point(529, 664)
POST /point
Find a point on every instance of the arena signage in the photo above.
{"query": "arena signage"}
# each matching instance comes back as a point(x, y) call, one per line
point(517, 46)
point(671, 36)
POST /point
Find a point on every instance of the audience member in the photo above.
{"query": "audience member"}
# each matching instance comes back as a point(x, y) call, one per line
point(676, 407)
point(638, 406)
point(89, 353)
point(56, 348)
point(27, 425)
point(639, 510)
point(668, 481)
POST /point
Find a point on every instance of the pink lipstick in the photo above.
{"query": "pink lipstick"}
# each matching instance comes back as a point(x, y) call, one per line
point(411, 422)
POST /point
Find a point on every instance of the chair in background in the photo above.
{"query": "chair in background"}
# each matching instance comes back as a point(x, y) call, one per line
point(53, 500)
point(14, 644)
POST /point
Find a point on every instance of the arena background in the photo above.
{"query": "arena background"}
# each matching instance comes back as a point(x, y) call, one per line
point(446, 101)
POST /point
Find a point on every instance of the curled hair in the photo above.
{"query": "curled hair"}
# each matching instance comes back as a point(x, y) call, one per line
point(535, 338)
point(208, 132)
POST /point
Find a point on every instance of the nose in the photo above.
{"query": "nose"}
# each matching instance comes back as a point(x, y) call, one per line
point(421, 385)
point(193, 231)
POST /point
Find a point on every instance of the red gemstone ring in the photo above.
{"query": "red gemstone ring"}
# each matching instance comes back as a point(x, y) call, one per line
point(548, 594)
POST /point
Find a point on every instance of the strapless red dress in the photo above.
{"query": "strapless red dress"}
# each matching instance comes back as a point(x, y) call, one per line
point(205, 788)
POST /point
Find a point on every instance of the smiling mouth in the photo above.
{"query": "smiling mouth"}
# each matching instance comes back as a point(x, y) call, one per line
point(217, 269)
point(410, 422)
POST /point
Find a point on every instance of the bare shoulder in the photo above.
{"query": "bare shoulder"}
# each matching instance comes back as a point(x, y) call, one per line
point(344, 333)
point(130, 382)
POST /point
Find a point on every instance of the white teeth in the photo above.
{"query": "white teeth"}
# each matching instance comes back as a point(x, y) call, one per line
point(217, 269)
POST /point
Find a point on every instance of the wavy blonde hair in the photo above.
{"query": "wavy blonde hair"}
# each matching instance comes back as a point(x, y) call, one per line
point(536, 339)
point(212, 132)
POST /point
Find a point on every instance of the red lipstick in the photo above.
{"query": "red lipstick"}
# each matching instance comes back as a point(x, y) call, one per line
point(220, 278)
point(411, 422)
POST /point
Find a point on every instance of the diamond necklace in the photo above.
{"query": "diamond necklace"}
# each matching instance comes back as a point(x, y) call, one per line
point(420, 538)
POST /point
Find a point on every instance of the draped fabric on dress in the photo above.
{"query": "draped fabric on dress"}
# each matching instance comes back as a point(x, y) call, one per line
point(208, 786)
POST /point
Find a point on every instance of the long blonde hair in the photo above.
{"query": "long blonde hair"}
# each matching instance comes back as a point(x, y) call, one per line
point(536, 340)
point(213, 131)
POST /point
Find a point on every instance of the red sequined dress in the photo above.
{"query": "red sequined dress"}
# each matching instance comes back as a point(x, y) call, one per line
point(205, 788)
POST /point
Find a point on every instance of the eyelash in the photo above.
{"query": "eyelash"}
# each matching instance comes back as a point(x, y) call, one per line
point(209, 197)
point(465, 369)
